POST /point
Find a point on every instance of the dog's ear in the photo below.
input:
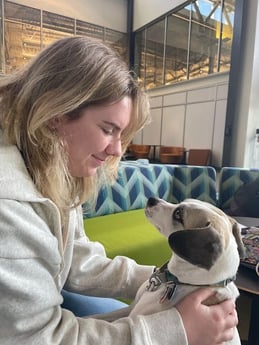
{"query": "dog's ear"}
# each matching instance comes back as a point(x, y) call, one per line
point(240, 245)
point(200, 247)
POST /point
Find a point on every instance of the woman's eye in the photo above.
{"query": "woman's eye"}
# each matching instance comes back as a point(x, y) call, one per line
point(108, 131)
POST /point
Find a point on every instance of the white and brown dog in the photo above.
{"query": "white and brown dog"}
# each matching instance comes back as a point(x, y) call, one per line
point(207, 247)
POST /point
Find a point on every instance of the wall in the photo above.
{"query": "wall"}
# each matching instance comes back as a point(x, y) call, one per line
point(190, 114)
point(147, 10)
point(109, 13)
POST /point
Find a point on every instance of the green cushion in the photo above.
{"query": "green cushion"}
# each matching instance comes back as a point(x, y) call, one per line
point(131, 234)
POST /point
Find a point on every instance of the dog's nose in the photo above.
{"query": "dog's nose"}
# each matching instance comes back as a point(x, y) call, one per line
point(152, 202)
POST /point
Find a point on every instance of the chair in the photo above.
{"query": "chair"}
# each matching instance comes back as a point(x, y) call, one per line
point(172, 154)
point(198, 157)
point(139, 151)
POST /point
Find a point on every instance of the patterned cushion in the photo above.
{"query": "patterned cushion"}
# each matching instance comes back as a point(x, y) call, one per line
point(134, 185)
point(194, 182)
point(231, 178)
point(137, 181)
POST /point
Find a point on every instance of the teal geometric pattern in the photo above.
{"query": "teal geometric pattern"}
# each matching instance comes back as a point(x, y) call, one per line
point(194, 182)
point(231, 178)
point(136, 182)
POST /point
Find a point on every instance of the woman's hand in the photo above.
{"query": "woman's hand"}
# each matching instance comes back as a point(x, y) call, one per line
point(207, 325)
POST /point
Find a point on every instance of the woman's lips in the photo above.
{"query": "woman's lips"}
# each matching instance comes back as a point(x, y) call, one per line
point(98, 160)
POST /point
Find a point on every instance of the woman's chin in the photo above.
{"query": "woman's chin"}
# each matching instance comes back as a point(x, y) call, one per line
point(91, 172)
point(88, 172)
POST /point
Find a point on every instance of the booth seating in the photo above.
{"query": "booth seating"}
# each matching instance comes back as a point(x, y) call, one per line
point(118, 221)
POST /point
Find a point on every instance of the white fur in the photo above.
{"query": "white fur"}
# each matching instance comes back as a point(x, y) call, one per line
point(197, 214)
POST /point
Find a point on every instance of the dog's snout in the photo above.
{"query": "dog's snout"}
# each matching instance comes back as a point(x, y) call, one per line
point(152, 202)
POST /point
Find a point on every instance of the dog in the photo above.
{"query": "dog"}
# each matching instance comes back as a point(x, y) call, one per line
point(207, 247)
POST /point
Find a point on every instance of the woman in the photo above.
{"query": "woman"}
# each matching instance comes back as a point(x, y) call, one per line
point(66, 120)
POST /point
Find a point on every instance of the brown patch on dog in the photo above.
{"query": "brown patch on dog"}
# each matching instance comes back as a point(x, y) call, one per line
point(212, 300)
point(200, 247)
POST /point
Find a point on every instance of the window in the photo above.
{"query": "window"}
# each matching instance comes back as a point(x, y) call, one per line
point(118, 40)
point(55, 26)
point(226, 34)
point(154, 55)
point(192, 42)
point(90, 30)
point(139, 54)
point(176, 52)
point(27, 30)
point(21, 34)
point(204, 41)
point(2, 60)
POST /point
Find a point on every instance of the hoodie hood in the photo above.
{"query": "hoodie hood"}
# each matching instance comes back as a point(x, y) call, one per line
point(15, 181)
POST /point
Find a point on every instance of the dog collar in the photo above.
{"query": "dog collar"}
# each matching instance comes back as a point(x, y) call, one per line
point(222, 283)
point(162, 275)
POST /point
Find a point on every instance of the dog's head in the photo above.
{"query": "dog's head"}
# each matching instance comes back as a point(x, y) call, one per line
point(197, 231)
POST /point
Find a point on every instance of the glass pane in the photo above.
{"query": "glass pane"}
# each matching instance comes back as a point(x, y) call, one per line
point(22, 34)
point(118, 40)
point(155, 54)
point(55, 27)
point(21, 13)
point(139, 55)
point(227, 34)
point(177, 46)
point(206, 17)
point(1, 41)
point(90, 30)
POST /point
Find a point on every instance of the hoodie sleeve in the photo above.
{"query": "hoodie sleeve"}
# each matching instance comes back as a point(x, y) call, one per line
point(30, 312)
point(92, 273)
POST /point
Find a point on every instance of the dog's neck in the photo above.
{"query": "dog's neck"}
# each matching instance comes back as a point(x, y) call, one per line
point(224, 268)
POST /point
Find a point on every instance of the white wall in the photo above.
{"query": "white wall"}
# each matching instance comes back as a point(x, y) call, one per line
point(108, 13)
point(190, 114)
point(147, 10)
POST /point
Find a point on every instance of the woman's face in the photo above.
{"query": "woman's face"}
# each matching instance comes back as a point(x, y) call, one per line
point(94, 136)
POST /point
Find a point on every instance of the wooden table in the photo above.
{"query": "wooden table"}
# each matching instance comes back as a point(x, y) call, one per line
point(248, 282)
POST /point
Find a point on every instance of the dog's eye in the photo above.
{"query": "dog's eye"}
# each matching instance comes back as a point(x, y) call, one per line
point(177, 215)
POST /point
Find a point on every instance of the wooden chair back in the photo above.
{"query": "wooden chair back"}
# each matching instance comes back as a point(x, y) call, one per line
point(139, 150)
point(198, 157)
point(172, 154)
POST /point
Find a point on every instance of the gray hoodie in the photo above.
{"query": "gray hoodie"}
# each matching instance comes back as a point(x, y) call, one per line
point(35, 266)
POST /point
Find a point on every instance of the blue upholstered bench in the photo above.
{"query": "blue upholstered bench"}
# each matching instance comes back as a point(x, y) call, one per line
point(230, 180)
point(118, 220)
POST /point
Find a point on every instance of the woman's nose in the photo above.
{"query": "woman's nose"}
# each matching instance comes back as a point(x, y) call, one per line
point(114, 148)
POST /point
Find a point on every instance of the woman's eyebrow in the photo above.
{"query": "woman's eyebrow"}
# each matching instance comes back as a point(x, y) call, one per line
point(112, 124)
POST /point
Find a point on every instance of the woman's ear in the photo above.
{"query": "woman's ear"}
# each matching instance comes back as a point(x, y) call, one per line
point(55, 122)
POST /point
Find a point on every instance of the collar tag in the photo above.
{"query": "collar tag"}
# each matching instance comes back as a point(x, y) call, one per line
point(169, 292)
point(157, 278)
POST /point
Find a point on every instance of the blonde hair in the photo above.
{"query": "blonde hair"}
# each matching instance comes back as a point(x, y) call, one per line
point(67, 76)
